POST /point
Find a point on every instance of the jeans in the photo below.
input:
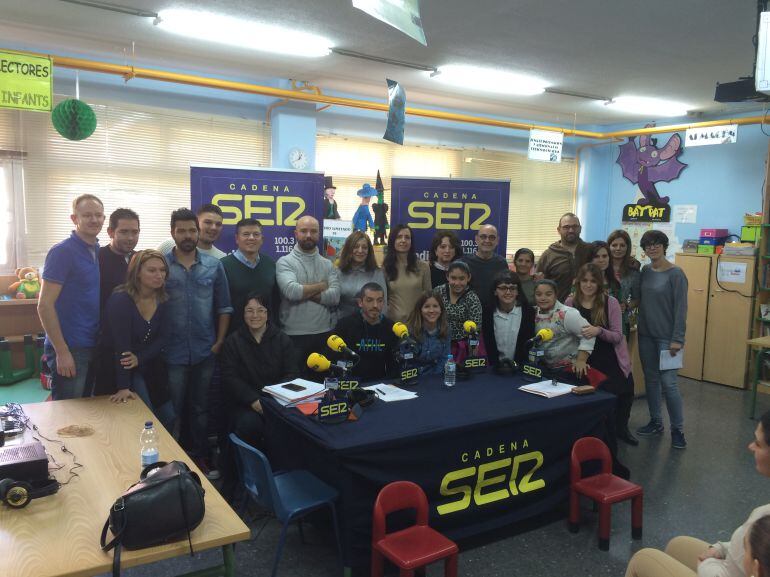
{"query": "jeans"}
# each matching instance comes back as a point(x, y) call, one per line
point(69, 387)
point(164, 413)
point(660, 383)
point(189, 386)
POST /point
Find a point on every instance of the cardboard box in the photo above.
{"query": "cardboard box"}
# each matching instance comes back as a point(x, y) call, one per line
point(713, 232)
point(706, 249)
point(712, 241)
point(750, 233)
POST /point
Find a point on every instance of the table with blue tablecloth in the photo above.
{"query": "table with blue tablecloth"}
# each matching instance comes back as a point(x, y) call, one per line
point(485, 453)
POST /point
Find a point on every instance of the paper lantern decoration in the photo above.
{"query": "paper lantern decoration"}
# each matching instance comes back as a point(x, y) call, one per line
point(74, 119)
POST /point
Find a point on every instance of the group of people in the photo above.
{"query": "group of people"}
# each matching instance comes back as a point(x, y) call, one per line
point(161, 323)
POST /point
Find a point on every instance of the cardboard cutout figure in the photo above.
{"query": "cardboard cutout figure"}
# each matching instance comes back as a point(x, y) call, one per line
point(380, 213)
point(362, 219)
point(330, 205)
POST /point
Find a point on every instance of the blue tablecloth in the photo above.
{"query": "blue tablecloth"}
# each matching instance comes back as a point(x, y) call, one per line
point(485, 453)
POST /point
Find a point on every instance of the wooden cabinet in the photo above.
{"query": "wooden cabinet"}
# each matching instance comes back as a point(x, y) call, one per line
point(719, 317)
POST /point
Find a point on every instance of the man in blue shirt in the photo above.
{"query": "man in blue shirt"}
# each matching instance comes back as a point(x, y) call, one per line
point(198, 295)
point(69, 300)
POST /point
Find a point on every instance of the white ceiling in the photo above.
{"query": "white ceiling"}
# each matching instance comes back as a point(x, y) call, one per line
point(676, 49)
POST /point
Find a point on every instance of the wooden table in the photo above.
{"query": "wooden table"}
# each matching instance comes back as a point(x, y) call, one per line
point(763, 344)
point(59, 535)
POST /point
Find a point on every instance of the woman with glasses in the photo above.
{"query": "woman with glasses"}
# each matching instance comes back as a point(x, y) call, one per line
point(256, 355)
point(511, 323)
point(662, 320)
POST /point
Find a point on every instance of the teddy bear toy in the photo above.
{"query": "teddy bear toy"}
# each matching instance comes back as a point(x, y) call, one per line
point(28, 285)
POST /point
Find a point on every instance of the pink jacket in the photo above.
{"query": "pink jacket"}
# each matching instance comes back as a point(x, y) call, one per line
point(614, 333)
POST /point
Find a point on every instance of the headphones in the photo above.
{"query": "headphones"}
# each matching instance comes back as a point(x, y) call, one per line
point(18, 494)
point(361, 397)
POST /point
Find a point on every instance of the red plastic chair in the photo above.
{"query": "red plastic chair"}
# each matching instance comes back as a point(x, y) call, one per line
point(415, 546)
point(604, 489)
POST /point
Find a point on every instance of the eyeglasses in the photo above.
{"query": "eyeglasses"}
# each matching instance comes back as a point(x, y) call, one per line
point(487, 237)
point(250, 234)
point(652, 245)
point(256, 311)
point(507, 288)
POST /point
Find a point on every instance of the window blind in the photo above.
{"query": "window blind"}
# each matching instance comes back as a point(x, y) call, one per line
point(138, 158)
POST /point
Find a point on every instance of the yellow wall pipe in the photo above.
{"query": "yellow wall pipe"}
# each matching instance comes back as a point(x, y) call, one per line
point(129, 72)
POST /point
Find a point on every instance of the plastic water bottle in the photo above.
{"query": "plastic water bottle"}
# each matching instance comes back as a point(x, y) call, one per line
point(148, 443)
point(450, 372)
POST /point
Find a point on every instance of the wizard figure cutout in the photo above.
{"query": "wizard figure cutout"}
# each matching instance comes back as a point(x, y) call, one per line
point(330, 205)
point(362, 219)
point(380, 213)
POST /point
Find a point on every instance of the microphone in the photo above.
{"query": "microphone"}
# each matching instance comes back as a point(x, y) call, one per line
point(400, 330)
point(336, 343)
point(320, 364)
point(542, 336)
point(470, 328)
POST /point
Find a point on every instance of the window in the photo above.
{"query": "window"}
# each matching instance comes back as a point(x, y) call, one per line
point(138, 158)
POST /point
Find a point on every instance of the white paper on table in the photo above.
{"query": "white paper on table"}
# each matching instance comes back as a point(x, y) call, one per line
point(547, 389)
point(390, 393)
point(667, 362)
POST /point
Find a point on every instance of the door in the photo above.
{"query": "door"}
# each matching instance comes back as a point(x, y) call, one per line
point(729, 320)
point(697, 269)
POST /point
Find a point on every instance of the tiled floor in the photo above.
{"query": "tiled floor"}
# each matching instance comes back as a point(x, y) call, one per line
point(706, 491)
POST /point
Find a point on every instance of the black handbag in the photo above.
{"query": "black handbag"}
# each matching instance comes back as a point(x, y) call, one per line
point(165, 505)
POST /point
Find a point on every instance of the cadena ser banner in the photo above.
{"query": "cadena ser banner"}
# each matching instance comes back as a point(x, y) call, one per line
point(275, 198)
point(462, 206)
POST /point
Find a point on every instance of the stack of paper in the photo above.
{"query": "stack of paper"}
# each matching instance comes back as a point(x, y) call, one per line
point(294, 391)
point(390, 393)
point(547, 389)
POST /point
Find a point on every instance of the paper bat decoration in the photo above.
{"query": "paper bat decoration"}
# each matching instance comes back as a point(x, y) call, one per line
point(649, 164)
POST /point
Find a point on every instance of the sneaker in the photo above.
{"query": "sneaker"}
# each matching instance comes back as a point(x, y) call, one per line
point(208, 471)
point(650, 429)
point(677, 439)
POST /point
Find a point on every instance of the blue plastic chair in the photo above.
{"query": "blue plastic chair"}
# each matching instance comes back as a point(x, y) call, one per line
point(290, 495)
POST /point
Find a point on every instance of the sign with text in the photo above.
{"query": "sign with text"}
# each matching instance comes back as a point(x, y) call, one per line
point(646, 213)
point(545, 145)
point(703, 136)
point(275, 198)
point(26, 81)
point(462, 206)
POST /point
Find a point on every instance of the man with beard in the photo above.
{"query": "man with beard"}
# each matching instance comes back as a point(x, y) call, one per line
point(123, 231)
point(370, 334)
point(198, 294)
point(310, 290)
point(69, 300)
point(560, 261)
point(210, 219)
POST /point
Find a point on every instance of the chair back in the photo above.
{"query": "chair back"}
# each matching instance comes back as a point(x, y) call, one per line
point(394, 497)
point(588, 449)
point(256, 474)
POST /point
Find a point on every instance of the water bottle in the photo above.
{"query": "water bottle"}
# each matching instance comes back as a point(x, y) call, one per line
point(148, 443)
point(450, 372)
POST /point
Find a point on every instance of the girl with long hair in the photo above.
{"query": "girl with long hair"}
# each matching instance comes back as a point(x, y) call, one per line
point(428, 326)
point(357, 267)
point(406, 276)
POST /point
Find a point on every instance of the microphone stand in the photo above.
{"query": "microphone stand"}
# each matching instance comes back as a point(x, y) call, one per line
point(408, 371)
point(473, 362)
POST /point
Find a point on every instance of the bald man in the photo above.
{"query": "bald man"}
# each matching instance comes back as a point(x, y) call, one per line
point(561, 261)
point(485, 263)
point(310, 290)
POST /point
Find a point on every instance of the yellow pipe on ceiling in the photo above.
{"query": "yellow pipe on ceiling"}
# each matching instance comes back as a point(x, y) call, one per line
point(129, 72)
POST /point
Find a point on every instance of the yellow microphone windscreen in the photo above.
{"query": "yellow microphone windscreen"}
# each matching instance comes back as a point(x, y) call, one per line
point(318, 362)
point(335, 343)
point(400, 330)
point(469, 326)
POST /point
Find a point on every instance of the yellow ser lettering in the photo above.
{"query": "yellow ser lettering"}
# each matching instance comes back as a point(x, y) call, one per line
point(484, 481)
point(290, 220)
point(464, 490)
point(252, 211)
point(527, 484)
point(231, 214)
point(444, 214)
point(476, 224)
point(415, 211)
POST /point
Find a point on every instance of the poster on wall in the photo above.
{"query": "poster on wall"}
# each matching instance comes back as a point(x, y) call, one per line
point(276, 198)
point(335, 232)
point(459, 205)
point(646, 213)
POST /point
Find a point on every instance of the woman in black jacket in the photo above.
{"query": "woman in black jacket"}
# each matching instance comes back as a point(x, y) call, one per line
point(255, 355)
point(510, 323)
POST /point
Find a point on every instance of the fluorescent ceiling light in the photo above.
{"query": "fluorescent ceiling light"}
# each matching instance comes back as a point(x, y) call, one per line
point(242, 33)
point(647, 106)
point(489, 80)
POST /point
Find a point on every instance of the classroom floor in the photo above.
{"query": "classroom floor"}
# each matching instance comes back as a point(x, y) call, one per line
point(706, 491)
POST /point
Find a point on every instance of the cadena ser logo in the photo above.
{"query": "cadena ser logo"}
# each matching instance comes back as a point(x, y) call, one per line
point(272, 205)
point(491, 474)
point(448, 211)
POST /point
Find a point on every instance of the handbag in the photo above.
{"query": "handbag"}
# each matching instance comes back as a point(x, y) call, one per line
point(165, 505)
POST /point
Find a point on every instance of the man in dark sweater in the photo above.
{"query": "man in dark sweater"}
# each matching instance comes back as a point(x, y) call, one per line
point(370, 334)
point(123, 230)
point(485, 264)
point(561, 261)
point(250, 272)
